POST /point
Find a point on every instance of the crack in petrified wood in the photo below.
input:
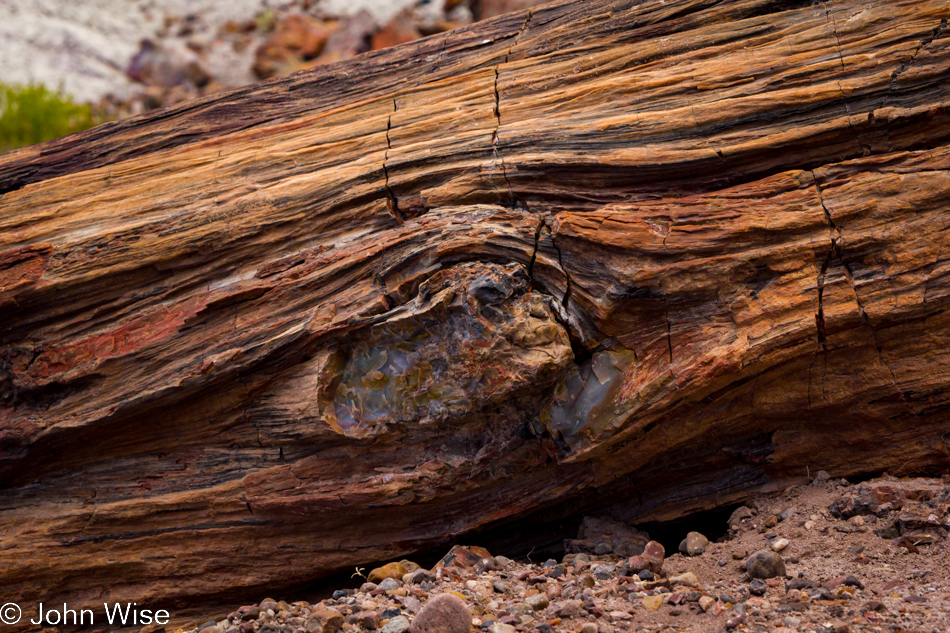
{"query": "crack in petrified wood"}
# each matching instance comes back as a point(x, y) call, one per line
point(497, 109)
point(393, 201)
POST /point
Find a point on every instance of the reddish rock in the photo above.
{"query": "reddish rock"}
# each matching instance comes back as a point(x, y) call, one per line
point(399, 30)
point(367, 620)
point(350, 38)
point(484, 9)
point(323, 620)
point(916, 515)
point(651, 559)
point(463, 557)
point(295, 39)
point(924, 504)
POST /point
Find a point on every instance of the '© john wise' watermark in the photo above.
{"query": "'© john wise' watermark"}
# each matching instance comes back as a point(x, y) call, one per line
point(117, 614)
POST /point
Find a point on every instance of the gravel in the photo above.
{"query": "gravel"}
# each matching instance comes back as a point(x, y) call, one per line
point(865, 583)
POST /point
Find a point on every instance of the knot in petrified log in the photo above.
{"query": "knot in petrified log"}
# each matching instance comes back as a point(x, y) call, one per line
point(474, 338)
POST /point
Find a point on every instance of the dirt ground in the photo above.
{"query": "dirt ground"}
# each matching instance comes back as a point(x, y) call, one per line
point(872, 556)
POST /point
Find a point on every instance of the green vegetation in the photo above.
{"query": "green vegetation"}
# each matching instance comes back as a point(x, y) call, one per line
point(266, 21)
point(33, 114)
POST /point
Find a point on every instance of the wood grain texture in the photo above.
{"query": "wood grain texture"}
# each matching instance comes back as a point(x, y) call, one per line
point(644, 257)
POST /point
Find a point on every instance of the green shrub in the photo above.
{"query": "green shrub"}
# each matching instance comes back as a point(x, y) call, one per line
point(33, 114)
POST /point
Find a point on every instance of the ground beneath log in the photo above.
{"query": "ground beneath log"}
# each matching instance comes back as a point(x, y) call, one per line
point(858, 557)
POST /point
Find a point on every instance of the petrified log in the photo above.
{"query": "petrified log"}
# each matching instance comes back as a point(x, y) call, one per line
point(643, 257)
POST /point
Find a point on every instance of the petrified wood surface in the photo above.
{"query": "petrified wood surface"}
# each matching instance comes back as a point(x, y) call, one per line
point(648, 255)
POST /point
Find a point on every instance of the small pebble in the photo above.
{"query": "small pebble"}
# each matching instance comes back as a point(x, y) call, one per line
point(398, 624)
point(736, 620)
point(421, 575)
point(388, 583)
point(537, 601)
point(779, 544)
point(694, 544)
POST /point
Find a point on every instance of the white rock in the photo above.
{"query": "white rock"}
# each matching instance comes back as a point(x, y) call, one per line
point(779, 544)
point(689, 579)
point(398, 624)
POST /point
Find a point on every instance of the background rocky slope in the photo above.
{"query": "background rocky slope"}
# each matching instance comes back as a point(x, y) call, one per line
point(129, 56)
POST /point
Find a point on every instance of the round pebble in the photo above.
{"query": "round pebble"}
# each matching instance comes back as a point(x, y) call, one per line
point(765, 564)
point(694, 544)
point(779, 544)
point(398, 624)
point(388, 584)
point(443, 613)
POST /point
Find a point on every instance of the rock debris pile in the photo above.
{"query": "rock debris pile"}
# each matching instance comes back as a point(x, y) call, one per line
point(827, 557)
point(193, 55)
